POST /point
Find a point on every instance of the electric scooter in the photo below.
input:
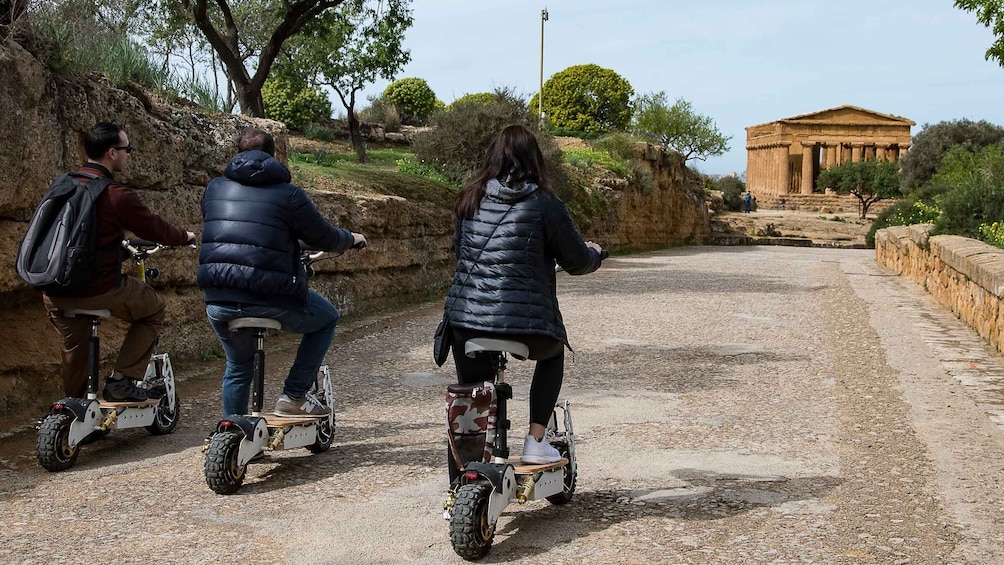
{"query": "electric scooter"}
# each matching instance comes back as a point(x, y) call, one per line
point(238, 439)
point(484, 478)
point(73, 422)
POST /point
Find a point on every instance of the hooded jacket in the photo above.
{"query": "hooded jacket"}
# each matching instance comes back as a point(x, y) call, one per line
point(505, 281)
point(254, 219)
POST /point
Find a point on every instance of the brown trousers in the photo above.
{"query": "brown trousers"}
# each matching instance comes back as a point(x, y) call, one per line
point(134, 302)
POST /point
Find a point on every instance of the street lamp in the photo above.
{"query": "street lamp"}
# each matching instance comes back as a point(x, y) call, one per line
point(540, 97)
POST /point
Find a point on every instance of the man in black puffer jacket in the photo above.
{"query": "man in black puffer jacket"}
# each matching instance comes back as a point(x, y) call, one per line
point(249, 265)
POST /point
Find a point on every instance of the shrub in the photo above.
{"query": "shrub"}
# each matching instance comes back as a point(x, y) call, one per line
point(618, 144)
point(903, 213)
point(932, 142)
point(732, 189)
point(993, 234)
point(482, 98)
point(318, 132)
point(975, 190)
point(587, 98)
point(294, 103)
point(413, 98)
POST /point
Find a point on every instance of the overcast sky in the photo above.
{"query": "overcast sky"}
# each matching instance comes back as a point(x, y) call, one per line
point(742, 62)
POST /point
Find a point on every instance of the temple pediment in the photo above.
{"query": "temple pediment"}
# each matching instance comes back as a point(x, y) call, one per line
point(848, 115)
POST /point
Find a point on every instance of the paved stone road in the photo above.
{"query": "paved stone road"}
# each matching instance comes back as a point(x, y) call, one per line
point(733, 405)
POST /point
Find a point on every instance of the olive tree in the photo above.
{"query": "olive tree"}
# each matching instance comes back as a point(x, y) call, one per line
point(678, 127)
point(870, 181)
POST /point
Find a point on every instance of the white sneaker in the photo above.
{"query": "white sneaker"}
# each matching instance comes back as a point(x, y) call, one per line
point(539, 452)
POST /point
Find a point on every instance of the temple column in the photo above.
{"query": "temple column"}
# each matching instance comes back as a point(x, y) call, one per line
point(784, 172)
point(807, 166)
point(838, 155)
point(880, 152)
point(902, 151)
point(856, 152)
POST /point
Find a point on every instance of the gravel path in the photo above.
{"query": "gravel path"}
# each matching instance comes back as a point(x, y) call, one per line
point(732, 405)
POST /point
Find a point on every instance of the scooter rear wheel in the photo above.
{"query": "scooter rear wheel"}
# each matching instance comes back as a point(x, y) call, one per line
point(470, 531)
point(164, 420)
point(325, 435)
point(223, 474)
point(53, 443)
point(565, 496)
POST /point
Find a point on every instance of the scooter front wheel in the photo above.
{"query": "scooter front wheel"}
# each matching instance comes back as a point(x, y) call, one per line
point(53, 443)
point(471, 532)
point(223, 473)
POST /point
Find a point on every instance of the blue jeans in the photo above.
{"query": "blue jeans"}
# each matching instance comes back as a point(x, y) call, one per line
point(317, 324)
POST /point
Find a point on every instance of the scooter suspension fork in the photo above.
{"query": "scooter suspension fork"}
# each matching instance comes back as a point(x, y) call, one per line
point(258, 372)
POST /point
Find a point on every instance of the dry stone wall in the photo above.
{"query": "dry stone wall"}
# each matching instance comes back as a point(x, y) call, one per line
point(964, 275)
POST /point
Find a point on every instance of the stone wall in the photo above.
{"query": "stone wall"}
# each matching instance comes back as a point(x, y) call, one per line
point(964, 275)
point(670, 210)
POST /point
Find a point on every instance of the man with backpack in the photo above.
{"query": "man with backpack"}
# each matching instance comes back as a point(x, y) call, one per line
point(117, 208)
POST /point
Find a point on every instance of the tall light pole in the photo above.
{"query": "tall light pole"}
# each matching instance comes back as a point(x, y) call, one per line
point(540, 96)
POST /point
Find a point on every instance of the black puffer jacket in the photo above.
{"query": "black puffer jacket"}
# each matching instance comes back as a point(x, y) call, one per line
point(254, 218)
point(506, 253)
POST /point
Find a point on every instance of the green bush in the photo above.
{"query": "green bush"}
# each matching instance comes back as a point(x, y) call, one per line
point(732, 189)
point(585, 157)
point(294, 103)
point(974, 190)
point(587, 98)
point(413, 98)
point(932, 142)
point(619, 144)
point(903, 213)
point(318, 132)
point(993, 234)
point(483, 98)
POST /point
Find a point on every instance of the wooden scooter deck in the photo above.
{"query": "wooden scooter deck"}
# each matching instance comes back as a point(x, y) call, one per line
point(273, 419)
point(142, 404)
point(528, 468)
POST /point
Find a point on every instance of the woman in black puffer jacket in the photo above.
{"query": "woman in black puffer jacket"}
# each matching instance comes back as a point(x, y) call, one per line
point(511, 231)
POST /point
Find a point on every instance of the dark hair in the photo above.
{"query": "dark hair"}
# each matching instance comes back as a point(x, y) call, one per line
point(513, 158)
point(100, 138)
point(256, 139)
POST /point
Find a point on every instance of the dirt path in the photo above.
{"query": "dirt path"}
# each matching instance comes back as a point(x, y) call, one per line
point(732, 405)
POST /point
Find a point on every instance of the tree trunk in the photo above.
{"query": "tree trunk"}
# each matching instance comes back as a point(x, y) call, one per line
point(357, 137)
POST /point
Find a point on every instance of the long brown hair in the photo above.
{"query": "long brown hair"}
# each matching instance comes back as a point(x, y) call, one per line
point(513, 158)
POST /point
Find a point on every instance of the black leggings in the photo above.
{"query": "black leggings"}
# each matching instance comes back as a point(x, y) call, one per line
point(547, 374)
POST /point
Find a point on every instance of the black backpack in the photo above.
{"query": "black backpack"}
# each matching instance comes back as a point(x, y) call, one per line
point(58, 251)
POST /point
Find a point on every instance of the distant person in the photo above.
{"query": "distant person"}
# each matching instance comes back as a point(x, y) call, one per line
point(127, 298)
point(249, 266)
point(783, 202)
point(747, 202)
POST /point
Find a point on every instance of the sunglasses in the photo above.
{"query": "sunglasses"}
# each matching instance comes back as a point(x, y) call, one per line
point(126, 148)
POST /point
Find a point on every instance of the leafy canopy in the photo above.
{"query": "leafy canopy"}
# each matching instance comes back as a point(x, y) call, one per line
point(587, 98)
point(678, 127)
point(990, 13)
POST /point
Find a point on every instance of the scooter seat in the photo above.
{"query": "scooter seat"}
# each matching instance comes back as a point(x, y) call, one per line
point(266, 323)
point(74, 312)
point(517, 349)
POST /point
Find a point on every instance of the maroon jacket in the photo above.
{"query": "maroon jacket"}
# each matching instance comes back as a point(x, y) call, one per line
point(120, 209)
